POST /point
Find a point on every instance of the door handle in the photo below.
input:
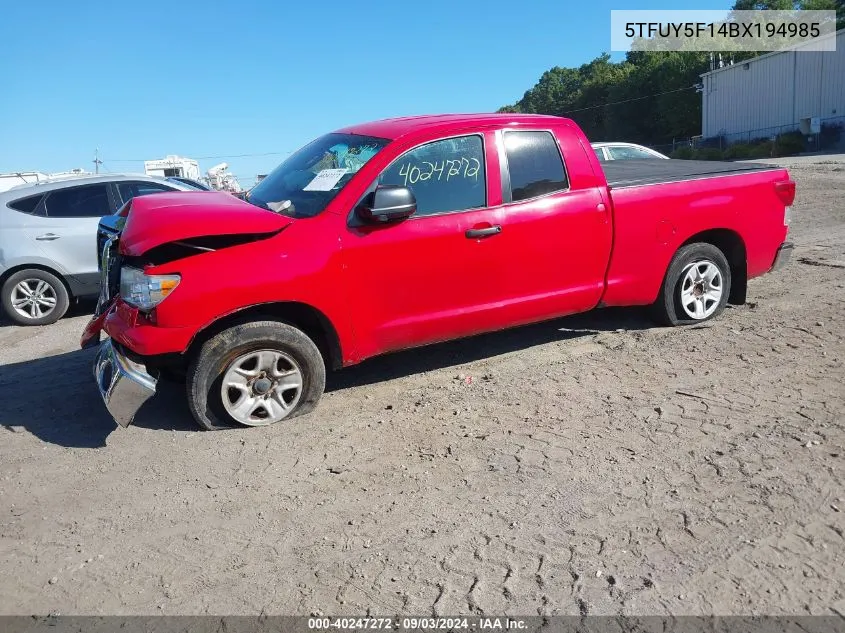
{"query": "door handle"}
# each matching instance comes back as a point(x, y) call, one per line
point(490, 230)
point(47, 237)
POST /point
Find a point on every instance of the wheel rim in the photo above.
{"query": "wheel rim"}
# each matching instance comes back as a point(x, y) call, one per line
point(261, 387)
point(34, 298)
point(701, 289)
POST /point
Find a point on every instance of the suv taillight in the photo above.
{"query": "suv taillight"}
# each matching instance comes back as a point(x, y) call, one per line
point(124, 210)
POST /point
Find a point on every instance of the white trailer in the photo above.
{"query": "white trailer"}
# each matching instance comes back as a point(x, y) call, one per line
point(172, 165)
point(7, 181)
point(17, 178)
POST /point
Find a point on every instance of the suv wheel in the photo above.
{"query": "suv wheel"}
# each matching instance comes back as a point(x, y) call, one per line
point(34, 297)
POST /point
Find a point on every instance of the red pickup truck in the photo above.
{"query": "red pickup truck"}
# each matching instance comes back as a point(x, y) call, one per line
point(403, 232)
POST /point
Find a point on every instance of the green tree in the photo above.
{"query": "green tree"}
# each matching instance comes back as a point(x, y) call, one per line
point(650, 97)
point(795, 5)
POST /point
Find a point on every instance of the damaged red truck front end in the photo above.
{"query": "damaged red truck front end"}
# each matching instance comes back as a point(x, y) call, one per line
point(143, 266)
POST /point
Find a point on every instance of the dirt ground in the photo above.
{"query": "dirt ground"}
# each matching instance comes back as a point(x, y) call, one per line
point(592, 465)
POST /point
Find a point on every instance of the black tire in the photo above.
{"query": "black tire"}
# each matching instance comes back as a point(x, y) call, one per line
point(206, 370)
point(668, 309)
point(54, 290)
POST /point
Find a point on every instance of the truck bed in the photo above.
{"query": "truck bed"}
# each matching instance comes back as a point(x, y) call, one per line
point(648, 171)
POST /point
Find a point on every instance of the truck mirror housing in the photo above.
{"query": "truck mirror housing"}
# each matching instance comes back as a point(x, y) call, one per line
point(387, 203)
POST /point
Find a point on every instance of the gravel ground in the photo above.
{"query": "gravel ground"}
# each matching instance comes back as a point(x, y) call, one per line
point(595, 464)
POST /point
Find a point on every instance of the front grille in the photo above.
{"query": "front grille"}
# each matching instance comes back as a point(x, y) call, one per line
point(103, 234)
point(109, 262)
point(113, 275)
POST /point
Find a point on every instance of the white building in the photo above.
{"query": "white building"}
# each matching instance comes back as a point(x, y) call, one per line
point(172, 165)
point(778, 92)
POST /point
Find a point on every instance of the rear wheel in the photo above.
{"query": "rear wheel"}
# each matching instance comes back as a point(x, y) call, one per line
point(696, 286)
point(255, 374)
point(34, 297)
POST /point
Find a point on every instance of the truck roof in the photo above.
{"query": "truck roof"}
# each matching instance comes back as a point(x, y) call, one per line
point(396, 127)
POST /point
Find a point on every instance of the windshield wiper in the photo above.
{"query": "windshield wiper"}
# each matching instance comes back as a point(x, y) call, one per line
point(275, 207)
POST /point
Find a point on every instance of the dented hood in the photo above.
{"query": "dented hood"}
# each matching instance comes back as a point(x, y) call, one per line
point(170, 217)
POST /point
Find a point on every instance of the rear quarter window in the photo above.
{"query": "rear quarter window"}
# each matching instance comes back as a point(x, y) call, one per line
point(28, 205)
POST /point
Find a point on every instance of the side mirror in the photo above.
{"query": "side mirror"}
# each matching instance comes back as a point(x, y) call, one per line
point(387, 203)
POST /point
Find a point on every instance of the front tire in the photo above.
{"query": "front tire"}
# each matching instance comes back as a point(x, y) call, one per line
point(34, 297)
point(255, 374)
point(696, 287)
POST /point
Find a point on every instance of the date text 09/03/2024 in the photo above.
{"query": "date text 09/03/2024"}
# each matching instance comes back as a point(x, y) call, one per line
point(418, 624)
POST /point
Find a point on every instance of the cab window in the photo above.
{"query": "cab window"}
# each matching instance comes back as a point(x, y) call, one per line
point(535, 166)
point(445, 175)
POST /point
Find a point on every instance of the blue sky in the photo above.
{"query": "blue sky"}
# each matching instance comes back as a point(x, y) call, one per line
point(210, 79)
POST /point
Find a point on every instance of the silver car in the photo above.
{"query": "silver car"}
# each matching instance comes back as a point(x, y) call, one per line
point(48, 241)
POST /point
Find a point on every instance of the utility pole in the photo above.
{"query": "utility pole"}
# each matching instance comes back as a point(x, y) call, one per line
point(97, 161)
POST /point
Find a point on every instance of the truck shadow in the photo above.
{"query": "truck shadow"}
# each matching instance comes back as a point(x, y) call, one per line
point(441, 355)
point(55, 399)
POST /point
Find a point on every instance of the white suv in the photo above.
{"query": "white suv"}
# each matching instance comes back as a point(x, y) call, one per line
point(48, 252)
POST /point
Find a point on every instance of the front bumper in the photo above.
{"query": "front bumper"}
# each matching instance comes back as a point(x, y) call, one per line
point(783, 255)
point(124, 384)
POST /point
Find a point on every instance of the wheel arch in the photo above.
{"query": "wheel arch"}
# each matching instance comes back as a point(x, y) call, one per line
point(733, 247)
point(313, 322)
point(36, 266)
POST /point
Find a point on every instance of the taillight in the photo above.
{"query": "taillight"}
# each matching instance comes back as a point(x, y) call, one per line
point(124, 210)
point(785, 189)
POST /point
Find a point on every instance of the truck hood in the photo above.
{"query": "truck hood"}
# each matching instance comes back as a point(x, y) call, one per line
point(163, 218)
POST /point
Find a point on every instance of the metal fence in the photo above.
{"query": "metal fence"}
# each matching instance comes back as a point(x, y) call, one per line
point(830, 137)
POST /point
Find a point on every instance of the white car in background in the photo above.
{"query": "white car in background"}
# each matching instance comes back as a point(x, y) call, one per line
point(624, 151)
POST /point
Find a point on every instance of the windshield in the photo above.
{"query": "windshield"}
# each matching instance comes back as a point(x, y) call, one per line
point(311, 177)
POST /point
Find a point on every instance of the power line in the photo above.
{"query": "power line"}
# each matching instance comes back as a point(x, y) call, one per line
point(260, 154)
point(141, 160)
point(659, 94)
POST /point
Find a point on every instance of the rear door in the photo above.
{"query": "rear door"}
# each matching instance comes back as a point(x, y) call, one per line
point(68, 233)
point(556, 231)
point(21, 222)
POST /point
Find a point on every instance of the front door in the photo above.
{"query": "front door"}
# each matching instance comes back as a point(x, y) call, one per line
point(423, 279)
